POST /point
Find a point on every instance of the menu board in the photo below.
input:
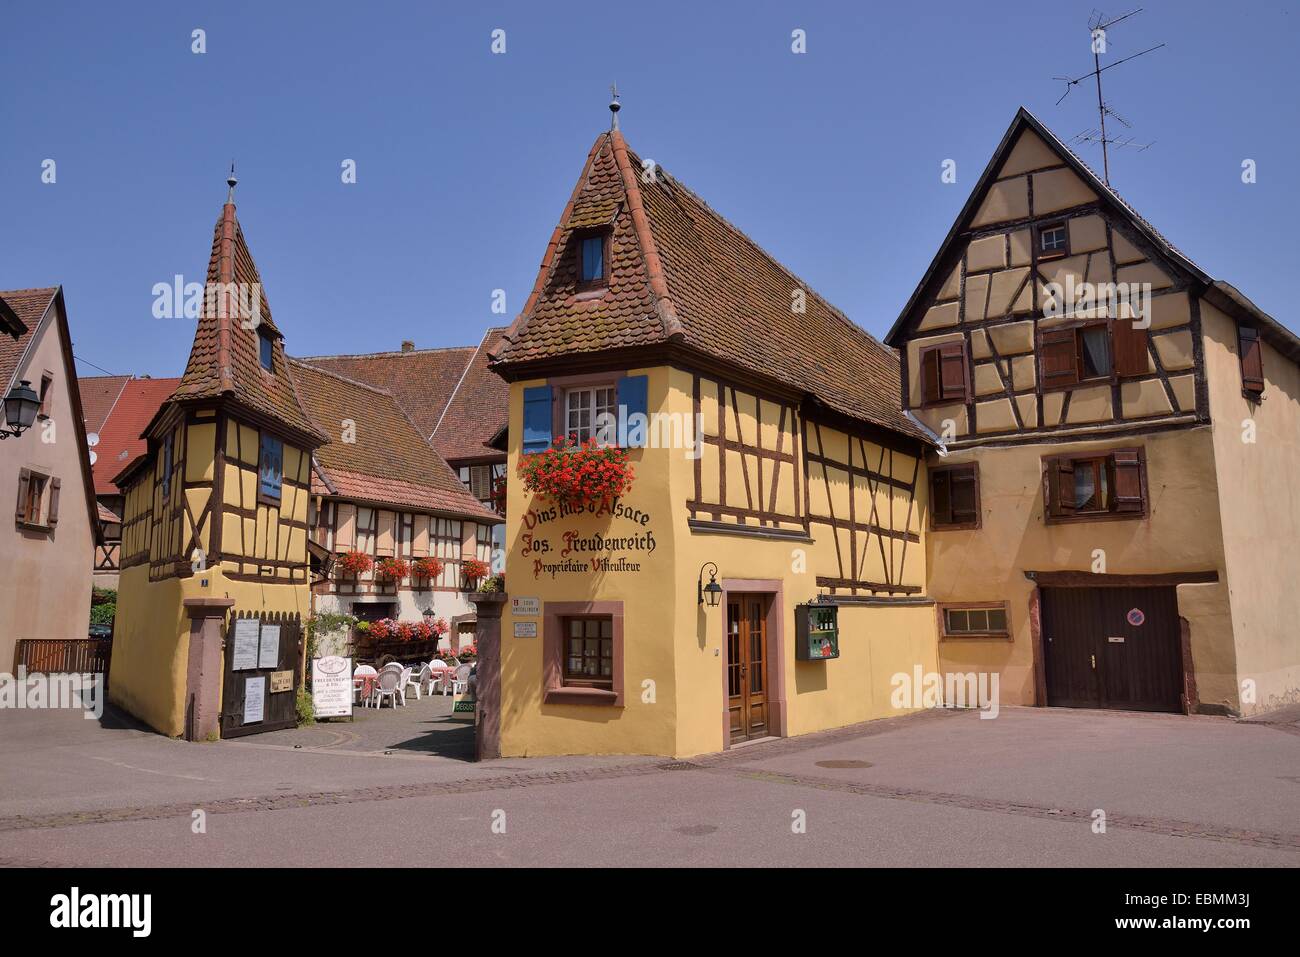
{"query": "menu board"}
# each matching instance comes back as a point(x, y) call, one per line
point(254, 699)
point(269, 656)
point(331, 687)
point(246, 640)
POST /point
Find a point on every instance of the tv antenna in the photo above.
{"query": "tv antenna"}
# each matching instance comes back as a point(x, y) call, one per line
point(1097, 27)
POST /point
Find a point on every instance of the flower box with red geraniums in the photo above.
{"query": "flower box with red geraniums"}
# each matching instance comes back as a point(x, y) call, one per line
point(391, 569)
point(498, 497)
point(427, 568)
point(351, 564)
point(473, 569)
point(577, 476)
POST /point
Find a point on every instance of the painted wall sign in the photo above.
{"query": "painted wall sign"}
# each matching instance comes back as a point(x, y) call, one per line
point(254, 699)
point(1136, 617)
point(556, 551)
point(526, 606)
point(525, 629)
point(269, 655)
point(281, 681)
point(331, 686)
point(246, 640)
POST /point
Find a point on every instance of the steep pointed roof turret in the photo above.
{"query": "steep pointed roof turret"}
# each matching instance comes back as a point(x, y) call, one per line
point(224, 359)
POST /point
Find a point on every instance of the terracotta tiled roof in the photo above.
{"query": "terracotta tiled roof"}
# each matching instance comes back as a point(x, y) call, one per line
point(29, 305)
point(224, 358)
point(679, 272)
point(422, 380)
point(389, 462)
point(478, 409)
point(121, 439)
point(98, 393)
point(106, 514)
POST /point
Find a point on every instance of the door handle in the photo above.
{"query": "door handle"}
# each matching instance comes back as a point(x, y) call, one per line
point(1094, 662)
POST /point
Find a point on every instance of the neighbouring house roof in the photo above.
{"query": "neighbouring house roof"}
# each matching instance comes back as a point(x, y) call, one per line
point(121, 434)
point(680, 275)
point(31, 306)
point(223, 361)
point(106, 514)
point(478, 409)
point(98, 395)
point(388, 461)
point(1220, 293)
point(422, 380)
point(9, 321)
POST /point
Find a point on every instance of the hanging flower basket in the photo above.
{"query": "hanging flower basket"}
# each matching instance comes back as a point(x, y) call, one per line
point(473, 569)
point(577, 476)
point(391, 569)
point(429, 568)
point(351, 564)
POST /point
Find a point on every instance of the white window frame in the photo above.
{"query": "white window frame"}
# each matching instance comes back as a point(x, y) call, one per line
point(587, 399)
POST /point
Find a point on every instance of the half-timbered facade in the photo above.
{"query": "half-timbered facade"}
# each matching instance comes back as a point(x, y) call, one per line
point(215, 512)
point(771, 461)
point(1108, 415)
point(379, 488)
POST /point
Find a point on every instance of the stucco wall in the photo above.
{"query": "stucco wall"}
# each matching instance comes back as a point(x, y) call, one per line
point(1260, 503)
point(45, 575)
point(1180, 534)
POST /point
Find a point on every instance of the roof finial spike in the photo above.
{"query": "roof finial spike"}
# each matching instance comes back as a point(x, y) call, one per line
point(231, 182)
point(614, 106)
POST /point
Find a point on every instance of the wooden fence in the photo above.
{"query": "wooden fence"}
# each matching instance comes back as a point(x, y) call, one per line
point(64, 656)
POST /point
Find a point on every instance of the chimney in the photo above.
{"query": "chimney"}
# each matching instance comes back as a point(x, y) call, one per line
point(408, 345)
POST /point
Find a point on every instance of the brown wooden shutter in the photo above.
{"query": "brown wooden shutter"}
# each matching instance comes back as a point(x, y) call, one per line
point(1127, 467)
point(24, 480)
point(1058, 358)
point(952, 371)
point(1060, 486)
point(53, 513)
point(930, 388)
point(1129, 346)
point(1252, 359)
point(941, 497)
point(965, 507)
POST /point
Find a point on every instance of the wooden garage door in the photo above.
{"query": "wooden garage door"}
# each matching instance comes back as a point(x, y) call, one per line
point(1112, 648)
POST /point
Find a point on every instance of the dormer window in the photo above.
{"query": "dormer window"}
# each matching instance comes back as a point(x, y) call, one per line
point(592, 268)
point(1053, 241)
point(266, 351)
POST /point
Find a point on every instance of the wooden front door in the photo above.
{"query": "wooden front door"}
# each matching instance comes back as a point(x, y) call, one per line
point(747, 666)
point(1112, 648)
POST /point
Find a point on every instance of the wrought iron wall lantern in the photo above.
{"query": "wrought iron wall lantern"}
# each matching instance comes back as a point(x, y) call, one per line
point(21, 406)
point(712, 591)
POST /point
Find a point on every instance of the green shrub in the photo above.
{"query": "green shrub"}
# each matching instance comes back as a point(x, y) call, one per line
point(103, 614)
point(306, 710)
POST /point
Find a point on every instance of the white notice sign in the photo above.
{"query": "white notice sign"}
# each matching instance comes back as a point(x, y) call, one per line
point(525, 629)
point(269, 656)
point(527, 607)
point(331, 686)
point(254, 699)
point(246, 636)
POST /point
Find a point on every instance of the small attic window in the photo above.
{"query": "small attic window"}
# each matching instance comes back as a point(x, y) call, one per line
point(1053, 241)
point(266, 351)
point(592, 270)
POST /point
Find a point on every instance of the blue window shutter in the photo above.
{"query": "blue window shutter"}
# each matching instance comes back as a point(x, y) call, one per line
point(632, 400)
point(537, 419)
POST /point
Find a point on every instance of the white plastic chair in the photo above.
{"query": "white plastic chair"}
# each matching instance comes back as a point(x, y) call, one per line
point(461, 682)
point(387, 686)
point(362, 671)
point(403, 679)
point(420, 682)
point(448, 676)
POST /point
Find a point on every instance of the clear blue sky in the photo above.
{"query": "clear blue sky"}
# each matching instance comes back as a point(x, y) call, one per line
point(830, 160)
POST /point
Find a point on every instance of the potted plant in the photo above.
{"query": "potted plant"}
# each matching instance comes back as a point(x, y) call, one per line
point(577, 476)
point(391, 569)
point(426, 568)
point(473, 570)
point(493, 583)
point(353, 563)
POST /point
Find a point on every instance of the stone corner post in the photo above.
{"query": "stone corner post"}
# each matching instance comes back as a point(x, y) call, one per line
point(487, 706)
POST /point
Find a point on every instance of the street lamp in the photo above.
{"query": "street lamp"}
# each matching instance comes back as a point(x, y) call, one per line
point(21, 406)
point(712, 591)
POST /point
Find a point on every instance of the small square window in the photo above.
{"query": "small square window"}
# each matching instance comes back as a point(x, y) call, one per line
point(270, 469)
point(591, 254)
point(266, 354)
point(1054, 240)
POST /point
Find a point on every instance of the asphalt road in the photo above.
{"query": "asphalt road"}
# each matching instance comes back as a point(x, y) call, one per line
point(936, 789)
